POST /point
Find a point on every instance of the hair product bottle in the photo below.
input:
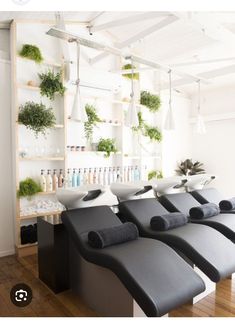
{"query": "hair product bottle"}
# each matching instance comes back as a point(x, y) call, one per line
point(74, 178)
point(60, 179)
point(49, 184)
point(55, 180)
point(43, 181)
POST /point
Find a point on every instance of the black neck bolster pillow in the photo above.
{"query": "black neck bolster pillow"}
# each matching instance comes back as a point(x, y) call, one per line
point(204, 211)
point(168, 221)
point(227, 204)
point(113, 235)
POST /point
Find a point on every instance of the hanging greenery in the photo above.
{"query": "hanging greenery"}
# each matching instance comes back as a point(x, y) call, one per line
point(93, 119)
point(188, 167)
point(107, 145)
point(28, 188)
point(151, 101)
point(51, 84)
point(31, 52)
point(155, 174)
point(129, 75)
point(36, 117)
point(153, 133)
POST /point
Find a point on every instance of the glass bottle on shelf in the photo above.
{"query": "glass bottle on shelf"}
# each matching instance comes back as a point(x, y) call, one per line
point(110, 176)
point(114, 175)
point(79, 178)
point(105, 177)
point(49, 184)
point(100, 176)
point(70, 179)
point(61, 179)
point(90, 177)
point(85, 177)
point(74, 178)
point(43, 181)
point(55, 180)
point(95, 179)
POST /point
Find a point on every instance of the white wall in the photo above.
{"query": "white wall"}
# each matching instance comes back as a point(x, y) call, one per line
point(176, 144)
point(216, 148)
point(6, 199)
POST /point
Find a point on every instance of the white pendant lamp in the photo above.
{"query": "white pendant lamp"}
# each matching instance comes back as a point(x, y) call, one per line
point(132, 119)
point(200, 125)
point(78, 109)
point(169, 121)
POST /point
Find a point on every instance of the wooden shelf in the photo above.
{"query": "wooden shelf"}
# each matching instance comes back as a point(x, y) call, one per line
point(45, 62)
point(101, 123)
point(22, 246)
point(47, 193)
point(43, 158)
point(93, 152)
point(35, 215)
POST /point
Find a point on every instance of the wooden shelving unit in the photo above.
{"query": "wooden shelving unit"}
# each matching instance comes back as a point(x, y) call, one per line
point(17, 88)
point(117, 104)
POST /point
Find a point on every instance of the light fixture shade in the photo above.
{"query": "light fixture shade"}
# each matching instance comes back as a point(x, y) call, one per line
point(132, 119)
point(200, 125)
point(78, 109)
point(169, 121)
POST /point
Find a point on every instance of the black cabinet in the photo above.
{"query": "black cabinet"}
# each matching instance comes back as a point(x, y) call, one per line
point(53, 255)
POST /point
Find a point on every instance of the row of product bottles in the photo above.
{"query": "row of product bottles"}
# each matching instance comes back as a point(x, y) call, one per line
point(104, 176)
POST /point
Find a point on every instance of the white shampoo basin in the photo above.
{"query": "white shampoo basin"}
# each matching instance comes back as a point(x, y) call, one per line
point(168, 185)
point(79, 197)
point(198, 181)
point(130, 190)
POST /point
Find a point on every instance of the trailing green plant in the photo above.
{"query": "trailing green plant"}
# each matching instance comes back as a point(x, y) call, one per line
point(155, 174)
point(36, 117)
point(153, 102)
point(51, 84)
point(188, 167)
point(93, 119)
point(129, 75)
point(107, 145)
point(153, 133)
point(28, 188)
point(31, 52)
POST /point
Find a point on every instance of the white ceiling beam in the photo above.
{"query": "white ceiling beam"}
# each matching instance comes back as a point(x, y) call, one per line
point(205, 75)
point(166, 68)
point(127, 20)
point(165, 22)
point(189, 63)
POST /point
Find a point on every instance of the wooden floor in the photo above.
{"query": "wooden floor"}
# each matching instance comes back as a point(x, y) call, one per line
point(46, 303)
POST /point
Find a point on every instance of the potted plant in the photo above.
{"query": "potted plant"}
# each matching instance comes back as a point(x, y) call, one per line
point(93, 120)
point(155, 174)
point(151, 101)
point(153, 133)
point(129, 75)
point(188, 167)
point(36, 117)
point(31, 52)
point(51, 83)
point(28, 188)
point(107, 145)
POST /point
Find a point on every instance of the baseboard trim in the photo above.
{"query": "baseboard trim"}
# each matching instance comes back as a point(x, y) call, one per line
point(6, 253)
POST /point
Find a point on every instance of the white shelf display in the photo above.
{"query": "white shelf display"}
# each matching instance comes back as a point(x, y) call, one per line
point(65, 146)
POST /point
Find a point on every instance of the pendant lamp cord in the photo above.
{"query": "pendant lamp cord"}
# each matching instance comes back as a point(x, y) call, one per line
point(132, 79)
point(78, 64)
point(199, 96)
point(170, 89)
